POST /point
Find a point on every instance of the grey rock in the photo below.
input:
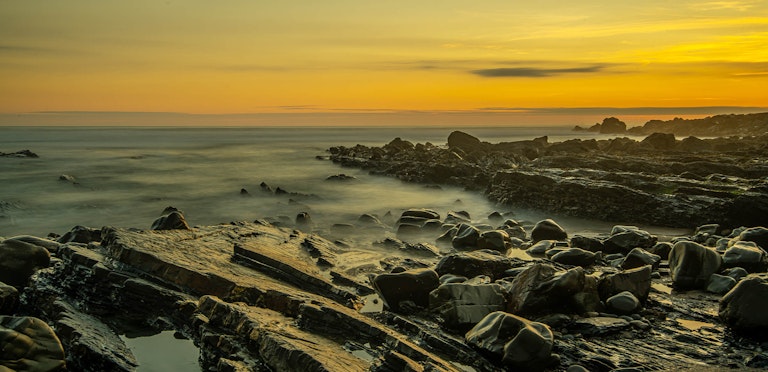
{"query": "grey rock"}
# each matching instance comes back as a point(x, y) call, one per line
point(29, 344)
point(737, 273)
point(745, 307)
point(472, 264)
point(623, 303)
point(412, 285)
point(541, 289)
point(639, 257)
point(462, 305)
point(691, 264)
point(575, 257)
point(497, 240)
point(19, 260)
point(624, 238)
point(759, 235)
point(464, 141)
point(9, 299)
point(519, 343)
point(747, 255)
point(720, 284)
point(548, 230)
point(588, 243)
point(81, 234)
point(466, 237)
point(540, 248)
point(599, 325)
point(637, 281)
point(171, 221)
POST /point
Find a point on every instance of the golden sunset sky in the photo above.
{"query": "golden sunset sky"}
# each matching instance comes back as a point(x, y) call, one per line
point(333, 58)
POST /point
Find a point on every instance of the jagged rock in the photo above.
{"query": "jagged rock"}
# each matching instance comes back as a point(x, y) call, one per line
point(9, 299)
point(660, 141)
point(622, 303)
point(497, 240)
point(463, 141)
point(541, 289)
point(519, 343)
point(174, 220)
point(466, 237)
point(720, 284)
point(462, 305)
point(412, 285)
point(745, 307)
point(691, 264)
point(613, 126)
point(639, 257)
point(588, 243)
point(19, 154)
point(548, 230)
point(81, 234)
point(745, 254)
point(476, 263)
point(637, 281)
point(340, 177)
point(28, 344)
point(19, 260)
point(575, 257)
point(625, 238)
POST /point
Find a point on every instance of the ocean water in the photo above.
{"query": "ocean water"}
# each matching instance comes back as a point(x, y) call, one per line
point(126, 176)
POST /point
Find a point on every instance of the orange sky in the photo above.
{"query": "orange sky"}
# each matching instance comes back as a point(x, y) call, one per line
point(445, 57)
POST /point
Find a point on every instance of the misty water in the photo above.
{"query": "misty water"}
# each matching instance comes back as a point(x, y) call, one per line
point(126, 176)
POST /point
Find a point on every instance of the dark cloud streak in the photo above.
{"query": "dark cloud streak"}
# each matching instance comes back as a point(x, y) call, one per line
point(533, 72)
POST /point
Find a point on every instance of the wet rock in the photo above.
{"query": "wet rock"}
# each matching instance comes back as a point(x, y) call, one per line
point(476, 263)
point(19, 260)
point(462, 305)
point(517, 342)
point(691, 264)
point(9, 299)
point(745, 307)
point(599, 325)
point(661, 249)
point(19, 154)
point(541, 247)
point(81, 234)
point(747, 255)
point(737, 273)
point(639, 257)
point(541, 289)
point(458, 217)
point(575, 257)
point(426, 214)
point(548, 230)
point(623, 303)
point(588, 243)
point(720, 284)
point(173, 220)
point(636, 281)
point(759, 235)
point(50, 245)
point(464, 141)
point(29, 344)
point(497, 240)
point(624, 238)
point(660, 141)
point(466, 237)
point(412, 285)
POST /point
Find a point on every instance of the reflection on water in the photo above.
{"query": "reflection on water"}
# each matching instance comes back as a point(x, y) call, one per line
point(163, 352)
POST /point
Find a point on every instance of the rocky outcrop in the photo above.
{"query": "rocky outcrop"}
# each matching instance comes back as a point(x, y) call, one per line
point(18, 154)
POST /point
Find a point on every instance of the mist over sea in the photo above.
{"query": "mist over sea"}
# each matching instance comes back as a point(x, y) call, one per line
point(126, 176)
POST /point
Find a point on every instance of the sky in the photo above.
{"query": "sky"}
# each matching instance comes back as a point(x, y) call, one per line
point(482, 61)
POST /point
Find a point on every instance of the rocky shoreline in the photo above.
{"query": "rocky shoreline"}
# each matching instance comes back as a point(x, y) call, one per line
point(427, 291)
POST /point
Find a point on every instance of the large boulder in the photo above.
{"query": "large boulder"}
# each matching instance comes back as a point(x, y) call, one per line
point(464, 141)
point(497, 240)
point(29, 344)
point(466, 237)
point(462, 305)
point(745, 254)
point(660, 141)
point(612, 126)
point(172, 220)
point(19, 260)
point(625, 238)
point(542, 289)
point(412, 285)
point(520, 343)
point(476, 263)
point(548, 230)
point(426, 214)
point(81, 234)
point(639, 257)
point(637, 281)
point(575, 257)
point(759, 235)
point(691, 264)
point(745, 307)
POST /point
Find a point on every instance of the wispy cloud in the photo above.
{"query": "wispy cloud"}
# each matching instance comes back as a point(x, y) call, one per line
point(741, 6)
point(534, 72)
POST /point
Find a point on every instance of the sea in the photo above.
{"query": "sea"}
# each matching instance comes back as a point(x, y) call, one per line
point(127, 176)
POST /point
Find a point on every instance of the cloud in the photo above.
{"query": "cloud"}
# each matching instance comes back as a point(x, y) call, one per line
point(534, 72)
point(608, 111)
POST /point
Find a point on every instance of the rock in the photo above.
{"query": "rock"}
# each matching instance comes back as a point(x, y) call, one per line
point(588, 243)
point(548, 230)
point(426, 214)
point(19, 154)
point(174, 220)
point(412, 285)
point(745, 307)
point(661, 249)
point(636, 281)
point(340, 177)
point(81, 234)
point(408, 231)
point(495, 217)
point(639, 257)
point(462, 305)
point(747, 255)
point(476, 263)
point(304, 222)
point(457, 218)
point(466, 237)
point(623, 303)
point(497, 240)
point(463, 141)
point(518, 342)
point(612, 126)
point(737, 273)
point(19, 260)
point(720, 284)
point(624, 238)
point(598, 326)
point(50, 245)
point(541, 247)
point(759, 235)
point(9, 299)
point(28, 344)
point(691, 264)
point(541, 289)
point(660, 141)
point(576, 257)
